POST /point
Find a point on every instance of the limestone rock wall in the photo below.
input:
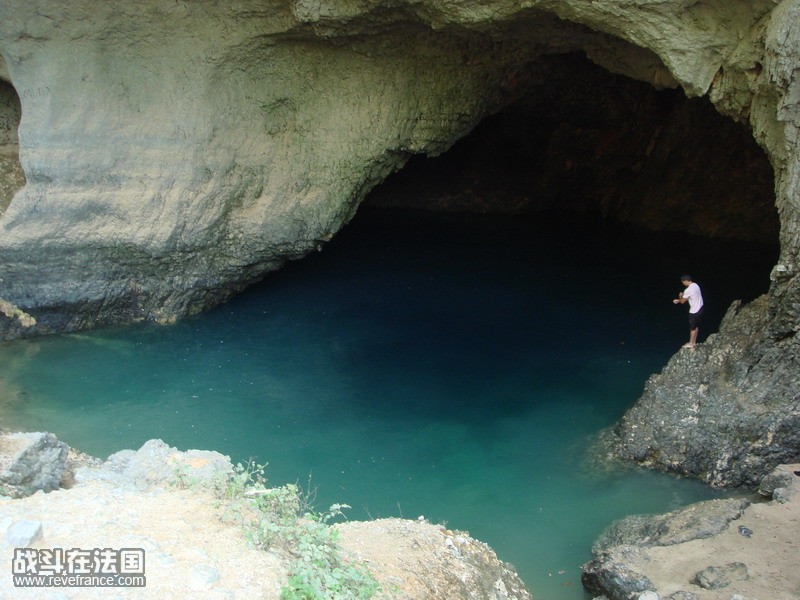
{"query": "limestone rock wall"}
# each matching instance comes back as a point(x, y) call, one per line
point(175, 153)
point(726, 412)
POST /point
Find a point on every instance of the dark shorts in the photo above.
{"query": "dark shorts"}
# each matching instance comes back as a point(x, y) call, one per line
point(694, 318)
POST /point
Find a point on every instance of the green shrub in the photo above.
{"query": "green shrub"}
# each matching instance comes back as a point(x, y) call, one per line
point(282, 519)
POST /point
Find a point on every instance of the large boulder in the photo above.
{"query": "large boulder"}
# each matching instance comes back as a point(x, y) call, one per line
point(416, 559)
point(158, 464)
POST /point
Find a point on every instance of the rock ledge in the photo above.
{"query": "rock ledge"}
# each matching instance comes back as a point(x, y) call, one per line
point(718, 550)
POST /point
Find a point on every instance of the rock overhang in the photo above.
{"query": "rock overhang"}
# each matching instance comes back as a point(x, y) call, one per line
point(183, 151)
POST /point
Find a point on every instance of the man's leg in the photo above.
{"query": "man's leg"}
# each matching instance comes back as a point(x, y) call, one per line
point(693, 329)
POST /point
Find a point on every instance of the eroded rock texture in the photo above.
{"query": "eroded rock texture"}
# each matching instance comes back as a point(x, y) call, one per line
point(728, 411)
point(11, 176)
point(175, 152)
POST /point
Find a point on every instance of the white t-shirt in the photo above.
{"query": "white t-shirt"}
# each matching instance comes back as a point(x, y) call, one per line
point(695, 298)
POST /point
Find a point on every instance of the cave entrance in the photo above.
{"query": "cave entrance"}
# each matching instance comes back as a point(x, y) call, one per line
point(591, 141)
point(12, 178)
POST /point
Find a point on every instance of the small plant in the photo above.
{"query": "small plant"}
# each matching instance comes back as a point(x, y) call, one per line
point(183, 476)
point(319, 571)
point(281, 518)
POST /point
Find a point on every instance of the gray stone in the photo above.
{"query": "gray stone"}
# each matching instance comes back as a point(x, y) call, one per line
point(30, 462)
point(745, 531)
point(23, 533)
point(608, 574)
point(156, 463)
point(783, 495)
point(119, 461)
point(685, 422)
point(780, 485)
point(681, 595)
point(696, 521)
point(716, 578)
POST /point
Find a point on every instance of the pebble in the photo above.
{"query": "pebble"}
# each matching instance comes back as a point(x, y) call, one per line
point(745, 531)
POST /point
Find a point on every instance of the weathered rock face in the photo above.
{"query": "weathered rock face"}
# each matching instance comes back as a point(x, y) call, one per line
point(183, 505)
point(175, 152)
point(728, 411)
point(428, 562)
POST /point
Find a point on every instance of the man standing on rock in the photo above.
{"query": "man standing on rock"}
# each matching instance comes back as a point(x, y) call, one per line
point(694, 297)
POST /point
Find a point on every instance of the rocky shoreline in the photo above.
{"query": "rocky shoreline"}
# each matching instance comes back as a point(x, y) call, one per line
point(163, 501)
point(726, 412)
point(196, 541)
point(731, 549)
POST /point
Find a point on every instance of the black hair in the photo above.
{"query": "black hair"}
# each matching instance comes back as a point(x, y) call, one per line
point(686, 277)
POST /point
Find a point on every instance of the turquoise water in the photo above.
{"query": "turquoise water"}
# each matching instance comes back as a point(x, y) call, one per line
point(446, 366)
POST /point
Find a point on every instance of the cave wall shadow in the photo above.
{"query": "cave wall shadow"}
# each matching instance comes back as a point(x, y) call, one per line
point(583, 139)
point(12, 177)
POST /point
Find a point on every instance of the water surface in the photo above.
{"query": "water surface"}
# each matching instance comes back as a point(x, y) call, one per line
point(447, 366)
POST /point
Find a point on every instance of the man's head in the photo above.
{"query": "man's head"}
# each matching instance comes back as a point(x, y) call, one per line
point(686, 279)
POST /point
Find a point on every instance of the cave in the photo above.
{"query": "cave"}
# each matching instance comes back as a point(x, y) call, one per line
point(175, 156)
point(626, 151)
point(178, 191)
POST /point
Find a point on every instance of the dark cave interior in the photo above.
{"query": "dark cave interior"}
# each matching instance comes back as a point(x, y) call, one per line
point(583, 139)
